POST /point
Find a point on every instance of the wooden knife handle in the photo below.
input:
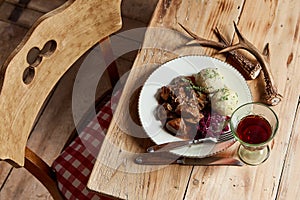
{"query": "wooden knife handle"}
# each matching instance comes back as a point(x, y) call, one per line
point(211, 161)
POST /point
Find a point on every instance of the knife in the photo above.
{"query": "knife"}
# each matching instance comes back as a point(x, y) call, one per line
point(165, 158)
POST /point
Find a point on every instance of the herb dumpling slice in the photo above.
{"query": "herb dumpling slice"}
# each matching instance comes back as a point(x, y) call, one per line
point(210, 79)
point(224, 101)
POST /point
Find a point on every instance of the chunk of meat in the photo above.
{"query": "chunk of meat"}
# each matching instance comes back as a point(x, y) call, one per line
point(164, 112)
point(181, 107)
point(176, 127)
point(189, 112)
point(165, 93)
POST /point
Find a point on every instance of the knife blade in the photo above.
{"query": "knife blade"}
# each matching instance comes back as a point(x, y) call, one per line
point(173, 145)
point(165, 158)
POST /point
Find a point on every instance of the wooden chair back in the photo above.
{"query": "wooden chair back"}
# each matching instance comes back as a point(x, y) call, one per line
point(49, 49)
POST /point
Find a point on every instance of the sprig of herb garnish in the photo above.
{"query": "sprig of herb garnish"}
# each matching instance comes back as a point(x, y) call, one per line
point(193, 86)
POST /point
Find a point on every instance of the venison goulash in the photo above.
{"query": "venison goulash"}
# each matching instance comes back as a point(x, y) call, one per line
point(196, 106)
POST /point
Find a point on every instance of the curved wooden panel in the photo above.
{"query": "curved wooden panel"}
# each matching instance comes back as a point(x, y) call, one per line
point(50, 48)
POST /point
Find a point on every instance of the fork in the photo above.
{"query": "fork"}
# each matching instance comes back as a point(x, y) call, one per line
point(178, 144)
point(225, 136)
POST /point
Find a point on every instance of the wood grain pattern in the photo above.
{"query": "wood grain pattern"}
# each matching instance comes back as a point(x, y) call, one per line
point(44, 6)
point(262, 27)
point(56, 122)
point(19, 14)
point(289, 185)
point(138, 10)
point(20, 110)
point(47, 139)
point(123, 147)
point(273, 22)
point(11, 33)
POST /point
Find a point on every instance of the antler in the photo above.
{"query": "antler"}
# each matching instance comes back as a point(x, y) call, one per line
point(251, 69)
point(272, 96)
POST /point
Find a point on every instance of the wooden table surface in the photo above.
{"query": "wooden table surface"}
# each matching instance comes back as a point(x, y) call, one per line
point(261, 22)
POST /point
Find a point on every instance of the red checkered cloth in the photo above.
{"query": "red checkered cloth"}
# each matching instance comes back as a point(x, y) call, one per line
point(73, 167)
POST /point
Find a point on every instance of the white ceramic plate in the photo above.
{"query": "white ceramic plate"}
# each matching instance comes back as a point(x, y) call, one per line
point(186, 65)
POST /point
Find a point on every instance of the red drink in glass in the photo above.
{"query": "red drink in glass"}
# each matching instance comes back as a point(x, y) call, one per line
point(254, 129)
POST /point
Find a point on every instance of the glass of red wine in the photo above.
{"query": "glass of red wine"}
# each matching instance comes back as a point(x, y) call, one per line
point(254, 125)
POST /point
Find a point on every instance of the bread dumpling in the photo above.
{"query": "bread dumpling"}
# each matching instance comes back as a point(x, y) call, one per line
point(209, 79)
point(224, 101)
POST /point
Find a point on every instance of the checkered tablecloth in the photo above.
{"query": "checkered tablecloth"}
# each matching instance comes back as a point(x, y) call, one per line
point(73, 167)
